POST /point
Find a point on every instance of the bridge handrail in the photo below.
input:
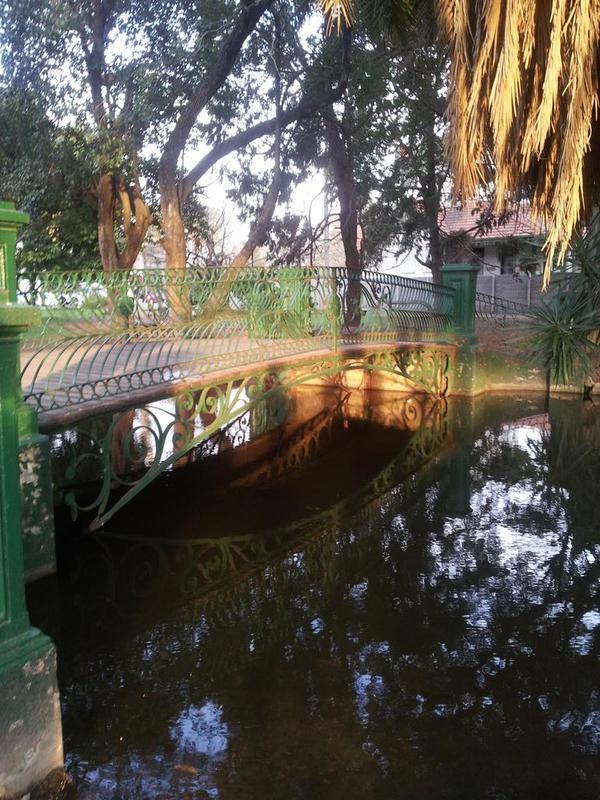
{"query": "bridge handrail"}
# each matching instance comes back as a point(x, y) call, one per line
point(497, 310)
point(111, 333)
point(30, 281)
point(79, 301)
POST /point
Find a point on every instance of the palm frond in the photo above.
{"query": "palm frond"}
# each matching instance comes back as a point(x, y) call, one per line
point(524, 105)
point(393, 19)
point(338, 13)
point(399, 21)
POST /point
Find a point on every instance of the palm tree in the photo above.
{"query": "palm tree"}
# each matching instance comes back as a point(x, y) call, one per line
point(392, 18)
point(524, 105)
point(524, 102)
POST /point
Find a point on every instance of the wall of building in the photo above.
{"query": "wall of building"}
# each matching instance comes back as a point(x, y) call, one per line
point(491, 259)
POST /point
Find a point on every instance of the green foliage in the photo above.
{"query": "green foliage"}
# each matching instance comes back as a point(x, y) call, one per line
point(404, 162)
point(395, 134)
point(584, 260)
point(560, 333)
point(393, 21)
point(564, 331)
point(57, 138)
point(153, 57)
point(44, 170)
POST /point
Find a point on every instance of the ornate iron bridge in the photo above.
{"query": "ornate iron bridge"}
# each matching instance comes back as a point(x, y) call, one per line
point(138, 445)
point(121, 334)
point(223, 342)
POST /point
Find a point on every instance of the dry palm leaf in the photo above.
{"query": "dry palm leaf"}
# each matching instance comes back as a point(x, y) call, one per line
point(524, 106)
point(337, 12)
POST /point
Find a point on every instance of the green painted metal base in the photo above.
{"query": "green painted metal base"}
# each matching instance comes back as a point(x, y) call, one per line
point(30, 722)
point(462, 278)
point(37, 513)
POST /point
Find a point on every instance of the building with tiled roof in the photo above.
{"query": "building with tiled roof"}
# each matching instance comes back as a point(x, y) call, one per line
point(501, 244)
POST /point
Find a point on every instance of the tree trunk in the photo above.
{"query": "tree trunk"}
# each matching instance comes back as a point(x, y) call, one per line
point(431, 192)
point(174, 244)
point(108, 247)
point(106, 223)
point(170, 191)
point(136, 219)
point(436, 251)
point(172, 225)
point(341, 159)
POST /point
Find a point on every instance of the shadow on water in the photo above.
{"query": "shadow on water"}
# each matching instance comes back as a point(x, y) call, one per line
point(396, 598)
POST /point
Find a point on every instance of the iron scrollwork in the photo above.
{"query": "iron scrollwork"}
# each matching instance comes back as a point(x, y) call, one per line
point(216, 570)
point(141, 444)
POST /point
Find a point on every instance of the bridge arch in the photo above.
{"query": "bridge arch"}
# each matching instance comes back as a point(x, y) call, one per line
point(156, 442)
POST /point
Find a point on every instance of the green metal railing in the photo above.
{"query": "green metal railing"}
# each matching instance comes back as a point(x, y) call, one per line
point(108, 334)
point(498, 311)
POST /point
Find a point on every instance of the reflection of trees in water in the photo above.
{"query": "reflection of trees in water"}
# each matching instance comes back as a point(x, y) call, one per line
point(412, 651)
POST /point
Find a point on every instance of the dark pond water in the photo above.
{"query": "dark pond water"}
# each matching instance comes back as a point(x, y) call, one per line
point(397, 603)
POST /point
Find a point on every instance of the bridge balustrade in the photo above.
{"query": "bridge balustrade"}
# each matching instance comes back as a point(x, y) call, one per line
point(105, 334)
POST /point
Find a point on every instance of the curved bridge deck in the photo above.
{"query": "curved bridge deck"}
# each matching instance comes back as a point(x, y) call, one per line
point(107, 340)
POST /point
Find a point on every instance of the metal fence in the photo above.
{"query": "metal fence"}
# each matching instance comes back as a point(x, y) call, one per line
point(497, 311)
point(106, 334)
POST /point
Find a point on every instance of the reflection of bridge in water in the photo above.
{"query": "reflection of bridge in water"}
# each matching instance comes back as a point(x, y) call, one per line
point(141, 567)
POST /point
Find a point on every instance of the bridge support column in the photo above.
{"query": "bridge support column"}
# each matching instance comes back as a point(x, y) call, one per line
point(34, 448)
point(30, 723)
point(463, 279)
point(37, 510)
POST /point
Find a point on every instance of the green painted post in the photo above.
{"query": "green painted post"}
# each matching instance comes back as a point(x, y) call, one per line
point(10, 222)
point(34, 448)
point(13, 617)
point(463, 279)
point(30, 727)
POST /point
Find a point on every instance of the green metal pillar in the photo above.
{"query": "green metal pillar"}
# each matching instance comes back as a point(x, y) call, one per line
point(34, 448)
point(39, 552)
point(10, 222)
point(30, 725)
point(463, 279)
